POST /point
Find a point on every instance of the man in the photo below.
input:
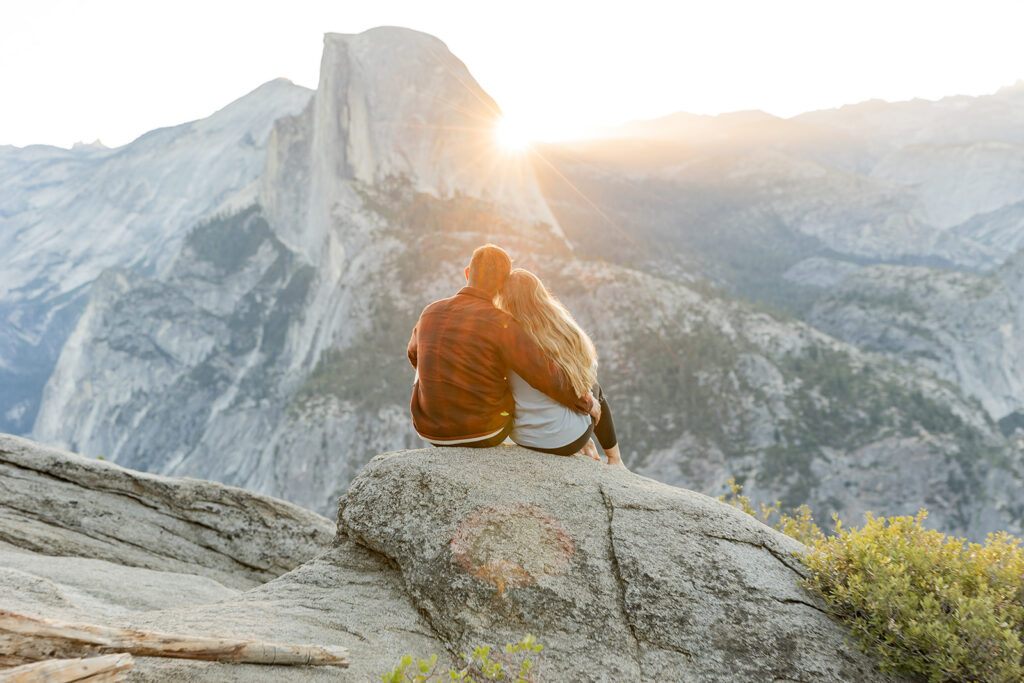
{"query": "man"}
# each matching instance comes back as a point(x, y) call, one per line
point(462, 348)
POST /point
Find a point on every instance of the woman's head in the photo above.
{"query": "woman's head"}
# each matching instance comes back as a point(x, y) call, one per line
point(525, 298)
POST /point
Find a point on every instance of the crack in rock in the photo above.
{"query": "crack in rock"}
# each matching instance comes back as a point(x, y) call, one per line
point(781, 558)
point(795, 601)
point(620, 581)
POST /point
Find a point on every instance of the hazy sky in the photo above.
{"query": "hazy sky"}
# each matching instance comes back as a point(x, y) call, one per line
point(112, 69)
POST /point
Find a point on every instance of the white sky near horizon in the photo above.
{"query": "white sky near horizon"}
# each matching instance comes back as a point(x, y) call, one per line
point(80, 70)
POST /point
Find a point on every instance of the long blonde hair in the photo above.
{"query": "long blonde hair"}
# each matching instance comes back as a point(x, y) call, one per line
point(525, 298)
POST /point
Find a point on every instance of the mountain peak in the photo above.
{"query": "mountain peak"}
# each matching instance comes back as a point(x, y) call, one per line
point(746, 116)
point(277, 94)
point(383, 36)
point(394, 103)
point(400, 96)
point(95, 144)
point(1015, 89)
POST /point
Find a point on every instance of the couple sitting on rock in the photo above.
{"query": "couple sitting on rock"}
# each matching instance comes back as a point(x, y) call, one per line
point(504, 358)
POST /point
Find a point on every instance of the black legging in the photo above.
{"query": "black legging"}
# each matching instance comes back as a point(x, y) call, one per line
point(603, 430)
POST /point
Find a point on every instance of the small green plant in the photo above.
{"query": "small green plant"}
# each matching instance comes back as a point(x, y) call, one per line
point(799, 525)
point(520, 662)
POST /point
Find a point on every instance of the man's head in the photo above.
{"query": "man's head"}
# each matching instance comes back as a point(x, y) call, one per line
point(488, 268)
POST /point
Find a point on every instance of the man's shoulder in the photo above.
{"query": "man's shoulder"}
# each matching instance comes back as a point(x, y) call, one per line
point(468, 305)
point(436, 306)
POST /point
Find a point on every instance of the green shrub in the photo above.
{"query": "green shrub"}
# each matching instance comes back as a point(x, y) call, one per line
point(925, 604)
point(519, 662)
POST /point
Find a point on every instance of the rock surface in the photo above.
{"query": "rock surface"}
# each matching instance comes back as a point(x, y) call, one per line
point(84, 589)
point(57, 503)
point(620, 577)
point(436, 551)
point(348, 596)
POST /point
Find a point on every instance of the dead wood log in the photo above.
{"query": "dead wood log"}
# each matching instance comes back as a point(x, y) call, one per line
point(104, 669)
point(32, 639)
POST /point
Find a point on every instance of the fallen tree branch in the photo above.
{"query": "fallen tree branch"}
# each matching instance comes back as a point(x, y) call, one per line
point(24, 638)
point(105, 669)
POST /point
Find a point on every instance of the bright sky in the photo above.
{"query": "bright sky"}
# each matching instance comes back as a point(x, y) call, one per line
point(75, 70)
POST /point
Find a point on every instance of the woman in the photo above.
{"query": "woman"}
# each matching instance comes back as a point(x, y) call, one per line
point(543, 424)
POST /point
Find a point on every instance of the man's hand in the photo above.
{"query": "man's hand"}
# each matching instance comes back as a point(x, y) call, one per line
point(585, 404)
point(595, 409)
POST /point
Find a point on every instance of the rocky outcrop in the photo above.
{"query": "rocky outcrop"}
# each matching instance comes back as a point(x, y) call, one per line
point(436, 551)
point(59, 504)
point(620, 577)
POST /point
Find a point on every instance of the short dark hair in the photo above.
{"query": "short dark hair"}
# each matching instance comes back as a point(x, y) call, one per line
point(489, 267)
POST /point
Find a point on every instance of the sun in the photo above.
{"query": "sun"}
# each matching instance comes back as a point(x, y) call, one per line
point(512, 136)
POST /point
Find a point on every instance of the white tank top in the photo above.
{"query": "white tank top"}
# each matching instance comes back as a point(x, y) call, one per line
point(541, 421)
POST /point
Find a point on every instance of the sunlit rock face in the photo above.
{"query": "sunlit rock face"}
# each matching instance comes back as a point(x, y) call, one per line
point(392, 104)
point(66, 215)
